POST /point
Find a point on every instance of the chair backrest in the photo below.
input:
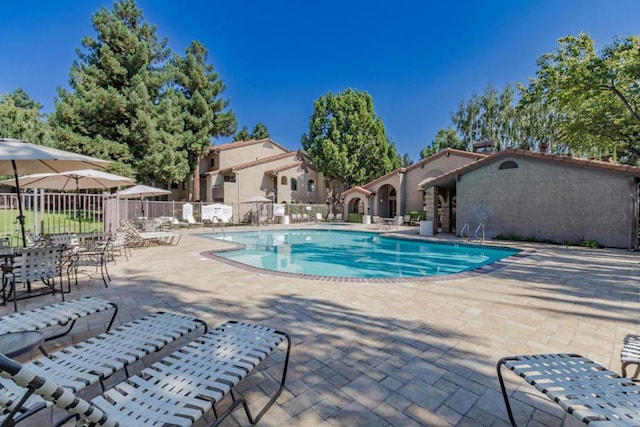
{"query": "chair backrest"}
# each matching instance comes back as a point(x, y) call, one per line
point(407, 218)
point(191, 219)
point(31, 264)
point(51, 391)
point(319, 216)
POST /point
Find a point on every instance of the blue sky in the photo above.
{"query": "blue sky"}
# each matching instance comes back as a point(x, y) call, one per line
point(418, 59)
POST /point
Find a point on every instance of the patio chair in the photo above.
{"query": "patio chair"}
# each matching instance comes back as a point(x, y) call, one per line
point(96, 258)
point(415, 221)
point(92, 361)
point(177, 390)
point(29, 266)
point(406, 219)
point(580, 386)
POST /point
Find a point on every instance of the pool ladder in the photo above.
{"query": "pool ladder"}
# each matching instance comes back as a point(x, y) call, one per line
point(467, 227)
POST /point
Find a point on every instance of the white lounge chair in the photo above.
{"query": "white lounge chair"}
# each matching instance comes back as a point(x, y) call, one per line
point(580, 386)
point(89, 362)
point(177, 390)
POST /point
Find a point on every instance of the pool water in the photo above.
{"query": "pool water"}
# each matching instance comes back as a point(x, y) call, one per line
point(338, 253)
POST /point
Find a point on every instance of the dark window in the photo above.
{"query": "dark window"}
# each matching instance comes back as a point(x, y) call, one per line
point(212, 163)
point(174, 185)
point(311, 186)
point(229, 178)
point(294, 184)
point(508, 165)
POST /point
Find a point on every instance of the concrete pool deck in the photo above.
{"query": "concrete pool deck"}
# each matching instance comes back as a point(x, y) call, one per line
point(395, 354)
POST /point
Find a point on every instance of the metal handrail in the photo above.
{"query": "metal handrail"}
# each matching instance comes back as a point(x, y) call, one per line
point(481, 225)
point(466, 225)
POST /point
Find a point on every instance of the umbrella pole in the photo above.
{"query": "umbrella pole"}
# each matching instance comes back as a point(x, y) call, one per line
point(78, 215)
point(21, 215)
point(142, 206)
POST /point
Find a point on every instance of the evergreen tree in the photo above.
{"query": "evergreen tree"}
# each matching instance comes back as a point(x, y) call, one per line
point(260, 131)
point(406, 160)
point(203, 107)
point(117, 98)
point(347, 140)
point(20, 118)
point(242, 135)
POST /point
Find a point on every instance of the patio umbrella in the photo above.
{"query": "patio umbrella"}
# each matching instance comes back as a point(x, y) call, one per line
point(70, 180)
point(17, 155)
point(258, 200)
point(142, 191)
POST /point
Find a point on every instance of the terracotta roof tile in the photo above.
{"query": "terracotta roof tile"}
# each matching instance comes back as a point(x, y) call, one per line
point(356, 189)
point(238, 144)
point(614, 167)
point(253, 163)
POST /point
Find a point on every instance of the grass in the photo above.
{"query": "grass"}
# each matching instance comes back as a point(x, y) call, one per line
point(48, 223)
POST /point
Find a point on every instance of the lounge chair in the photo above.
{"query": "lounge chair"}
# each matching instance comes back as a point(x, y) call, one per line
point(144, 238)
point(580, 386)
point(92, 361)
point(415, 221)
point(177, 390)
point(406, 219)
point(319, 217)
point(192, 221)
point(630, 355)
point(64, 314)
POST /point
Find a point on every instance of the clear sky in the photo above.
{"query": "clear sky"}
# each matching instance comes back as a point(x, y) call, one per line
point(418, 59)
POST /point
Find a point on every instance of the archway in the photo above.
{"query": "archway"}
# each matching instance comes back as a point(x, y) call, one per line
point(356, 205)
point(386, 203)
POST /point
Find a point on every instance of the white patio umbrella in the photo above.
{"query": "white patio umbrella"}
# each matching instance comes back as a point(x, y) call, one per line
point(72, 180)
point(18, 156)
point(258, 200)
point(142, 191)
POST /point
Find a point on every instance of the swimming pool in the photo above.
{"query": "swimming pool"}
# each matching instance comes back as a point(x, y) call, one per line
point(353, 254)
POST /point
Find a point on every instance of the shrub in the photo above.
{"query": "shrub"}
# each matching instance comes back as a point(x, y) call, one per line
point(354, 217)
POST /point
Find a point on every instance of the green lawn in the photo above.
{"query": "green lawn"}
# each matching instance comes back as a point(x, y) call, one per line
point(49, 223)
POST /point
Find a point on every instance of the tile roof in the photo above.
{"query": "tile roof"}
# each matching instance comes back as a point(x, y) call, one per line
point(253, 163)
point(296, 164)
point(238, 144)
point(572, 161)
point(443, 153)
point(356, 189)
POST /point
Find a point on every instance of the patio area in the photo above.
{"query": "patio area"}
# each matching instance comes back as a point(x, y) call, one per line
point(393, 354)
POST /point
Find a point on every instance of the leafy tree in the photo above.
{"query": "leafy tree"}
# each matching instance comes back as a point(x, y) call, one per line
point(347, 140)
point(445, 138)
point(596, 96)
point(406, 160)
point(260, 131)
point(20, 118)
point(118, 85)
point(242, 135)
point(203, 107)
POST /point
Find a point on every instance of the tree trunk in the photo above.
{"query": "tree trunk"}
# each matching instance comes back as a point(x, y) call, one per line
point(195, 194)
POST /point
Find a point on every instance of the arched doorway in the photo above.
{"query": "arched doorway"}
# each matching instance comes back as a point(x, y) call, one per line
point(386, 201)
point(356, 205)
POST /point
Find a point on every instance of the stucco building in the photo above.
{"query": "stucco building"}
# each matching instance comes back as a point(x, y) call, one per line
point(529, 194)
point(401, 190)
point(237, 171)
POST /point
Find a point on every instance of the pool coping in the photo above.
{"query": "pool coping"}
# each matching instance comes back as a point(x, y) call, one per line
point(482, 270)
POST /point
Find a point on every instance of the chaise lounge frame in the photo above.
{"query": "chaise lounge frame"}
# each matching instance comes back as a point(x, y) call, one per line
point(580, 386)
point(92, 361)
point(177, 390)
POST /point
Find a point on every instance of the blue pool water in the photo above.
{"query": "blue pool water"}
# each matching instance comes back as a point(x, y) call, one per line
point(340, 253)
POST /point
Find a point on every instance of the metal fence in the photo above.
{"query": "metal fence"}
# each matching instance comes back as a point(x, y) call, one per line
point(52, 213)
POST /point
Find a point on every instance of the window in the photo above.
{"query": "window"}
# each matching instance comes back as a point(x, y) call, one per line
point(283, 180)
point(311, 186)
point(174, 185)
point(294, 184)
point(212, 163)
point(229, 178)
point(508, 165)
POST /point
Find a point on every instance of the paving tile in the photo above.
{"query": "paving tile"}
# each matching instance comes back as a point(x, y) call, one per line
point(389, 354)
